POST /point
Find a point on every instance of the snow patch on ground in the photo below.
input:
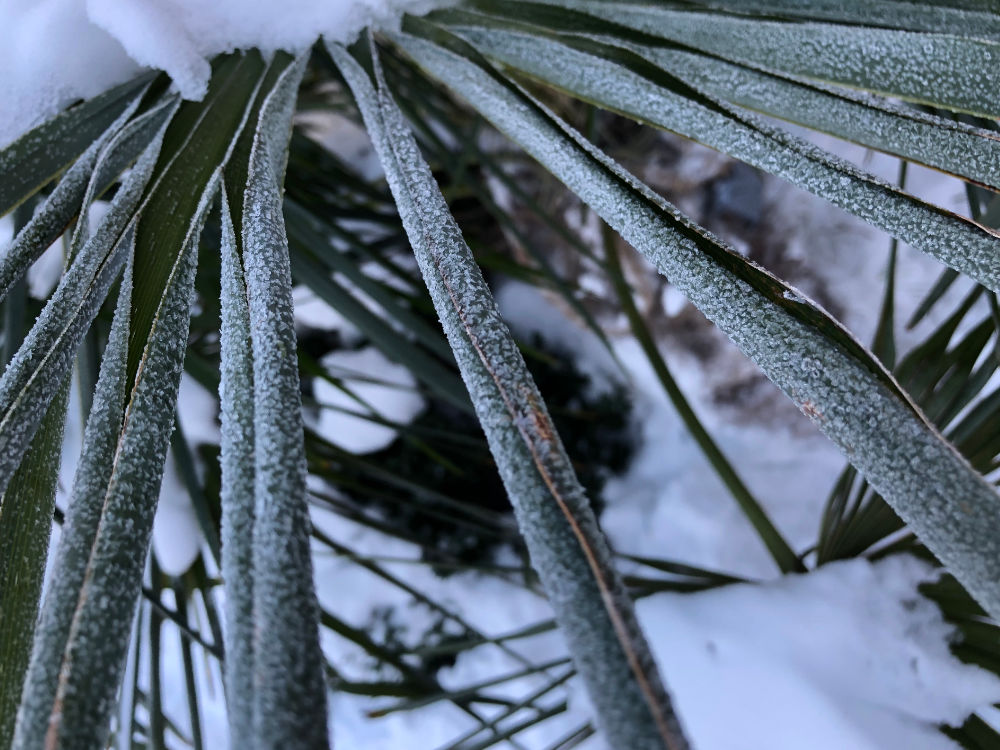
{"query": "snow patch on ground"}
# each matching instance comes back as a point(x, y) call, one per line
point(313, 312)
point(490, 604)
point(846, 656)
point(45, 272)
point(176, 534)
point(373, 385)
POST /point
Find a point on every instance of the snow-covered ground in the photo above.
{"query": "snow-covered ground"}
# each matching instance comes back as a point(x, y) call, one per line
point(845, 657)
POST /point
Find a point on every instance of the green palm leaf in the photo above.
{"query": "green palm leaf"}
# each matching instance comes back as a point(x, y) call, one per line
point(616, 79)
point(286, 686)
point(553, 513)
point(921, 67)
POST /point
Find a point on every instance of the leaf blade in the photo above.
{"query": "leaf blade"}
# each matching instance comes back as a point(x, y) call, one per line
point(237, 489)
point(552, 511)
point(289, 692)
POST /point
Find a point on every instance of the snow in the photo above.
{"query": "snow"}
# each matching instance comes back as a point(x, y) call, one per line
point(53, 52)
point(197, 409)
point(50, 54)
point(673, 301)
point(313, 312)
point(379, 386)
point(345, 139)
point(846, 656)
point(176, 534)
point(45, 272)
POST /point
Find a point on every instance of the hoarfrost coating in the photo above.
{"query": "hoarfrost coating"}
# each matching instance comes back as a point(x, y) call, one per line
point(53, 52)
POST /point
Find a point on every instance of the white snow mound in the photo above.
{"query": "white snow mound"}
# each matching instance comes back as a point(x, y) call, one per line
point(53, 52)
point(848, 656)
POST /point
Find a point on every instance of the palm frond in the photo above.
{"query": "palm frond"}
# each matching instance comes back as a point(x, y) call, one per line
point(139, 300)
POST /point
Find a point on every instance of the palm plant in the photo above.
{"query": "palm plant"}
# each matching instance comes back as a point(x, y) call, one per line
point(918, 433)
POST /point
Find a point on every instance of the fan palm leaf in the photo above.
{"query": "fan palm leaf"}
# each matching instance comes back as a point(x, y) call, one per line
point(919, 433)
